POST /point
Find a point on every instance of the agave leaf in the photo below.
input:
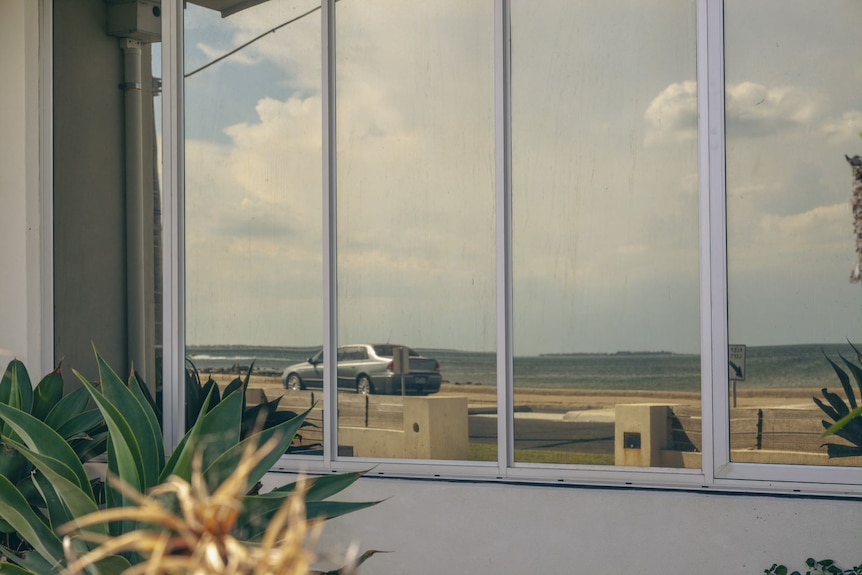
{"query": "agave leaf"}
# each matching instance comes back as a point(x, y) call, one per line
point(833, 450)
point(180, 463)
point(72, 404)
point(220, 428)
point(17, 390)
point(124, 452)
point(47, 393)
point(319, 488)
point(257, 512)
point(158, 444)
point(29, 561)
point(13, 465)
point(12, 569)
point(143, 391)
point(836, 402)
point(842, 422)
point(222, 467)
point(17, 512)
point(79, 502)
point(83, 423)
point(42, 439)
point(58, 514)
point(234, 385)
point(147, 439)
point(831, 413)
point(857, 376)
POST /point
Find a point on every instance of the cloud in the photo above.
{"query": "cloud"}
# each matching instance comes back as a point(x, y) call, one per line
point(755, 110)
point(845, 129)
point(752, 110)
point(673, 113)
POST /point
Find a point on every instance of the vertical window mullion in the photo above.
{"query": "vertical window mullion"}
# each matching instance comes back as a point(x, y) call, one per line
point(330, 319)
point(715, 266)
point(173, 288)
point(503, 184)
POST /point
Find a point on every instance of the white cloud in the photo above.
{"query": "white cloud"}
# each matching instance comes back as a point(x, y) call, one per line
point(845, 129)
point(673, 112)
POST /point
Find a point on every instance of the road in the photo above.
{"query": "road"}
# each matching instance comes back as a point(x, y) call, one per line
point(552, 434)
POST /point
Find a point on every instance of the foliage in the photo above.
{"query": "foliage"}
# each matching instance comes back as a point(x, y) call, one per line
point(195, 527)
point(198, 392)
point(846, 422)
point(823, 567)
point(136, 455)
point(68, 415)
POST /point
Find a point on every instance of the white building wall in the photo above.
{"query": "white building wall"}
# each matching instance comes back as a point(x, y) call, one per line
point(444, 528)
point(20, 207)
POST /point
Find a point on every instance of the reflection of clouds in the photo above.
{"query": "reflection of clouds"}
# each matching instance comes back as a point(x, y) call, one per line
point(674, 112)
point(845, 129)
point(755, 110)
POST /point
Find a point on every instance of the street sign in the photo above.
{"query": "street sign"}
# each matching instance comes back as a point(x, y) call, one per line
point(736, 362)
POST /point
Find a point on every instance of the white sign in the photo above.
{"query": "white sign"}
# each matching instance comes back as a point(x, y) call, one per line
point(736, 362)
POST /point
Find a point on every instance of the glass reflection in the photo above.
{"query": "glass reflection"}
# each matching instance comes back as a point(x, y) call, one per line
point(415, 102)
point(253, 197)
point(605, 233)
point(792, 113)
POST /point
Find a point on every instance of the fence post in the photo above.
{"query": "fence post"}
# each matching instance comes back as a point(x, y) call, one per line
point(759, 429)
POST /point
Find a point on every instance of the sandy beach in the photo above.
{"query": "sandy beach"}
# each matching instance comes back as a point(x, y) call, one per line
point(483, 397)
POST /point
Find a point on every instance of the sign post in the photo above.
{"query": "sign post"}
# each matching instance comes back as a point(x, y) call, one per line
point(400, 363)
point(736, 366)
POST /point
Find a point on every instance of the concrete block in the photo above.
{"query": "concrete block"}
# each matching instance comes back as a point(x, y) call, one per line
point(435, 427)
point(641, 432)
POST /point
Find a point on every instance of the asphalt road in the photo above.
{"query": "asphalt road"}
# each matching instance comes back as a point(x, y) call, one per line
point(580, 437)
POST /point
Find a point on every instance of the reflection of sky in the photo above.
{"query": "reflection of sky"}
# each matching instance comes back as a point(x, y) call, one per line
point(605, 220)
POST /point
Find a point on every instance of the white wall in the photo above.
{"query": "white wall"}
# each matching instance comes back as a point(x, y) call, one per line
point(444, 528)
point(21, 287)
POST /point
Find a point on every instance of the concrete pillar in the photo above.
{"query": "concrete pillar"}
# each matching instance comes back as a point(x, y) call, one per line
point(436, 428)
point(641, 432)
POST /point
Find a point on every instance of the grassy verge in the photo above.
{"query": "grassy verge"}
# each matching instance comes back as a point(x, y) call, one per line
point(485, 452)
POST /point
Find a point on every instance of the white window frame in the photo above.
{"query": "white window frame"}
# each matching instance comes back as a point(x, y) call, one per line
point(717, 473)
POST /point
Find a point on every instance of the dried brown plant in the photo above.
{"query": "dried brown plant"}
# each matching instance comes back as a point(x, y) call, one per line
point(196, 539)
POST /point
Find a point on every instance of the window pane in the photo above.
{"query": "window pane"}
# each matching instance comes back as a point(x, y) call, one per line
point(605, 233)
point(792, 113)
point(253, 198)
point(415, 108)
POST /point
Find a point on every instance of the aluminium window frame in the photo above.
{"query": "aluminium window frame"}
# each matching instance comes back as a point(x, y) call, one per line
point(718, 472)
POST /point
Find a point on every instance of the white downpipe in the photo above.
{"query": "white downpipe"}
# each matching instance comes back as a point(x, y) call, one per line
point(135, 207)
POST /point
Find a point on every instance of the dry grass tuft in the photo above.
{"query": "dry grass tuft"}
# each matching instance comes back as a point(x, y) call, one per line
point(196, 539)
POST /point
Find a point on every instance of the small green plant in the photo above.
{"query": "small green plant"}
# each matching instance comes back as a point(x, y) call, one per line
point(136, 456)
point(822, 567)
point(844, 413)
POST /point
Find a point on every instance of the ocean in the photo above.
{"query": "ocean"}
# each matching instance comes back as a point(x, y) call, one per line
point(786, 366)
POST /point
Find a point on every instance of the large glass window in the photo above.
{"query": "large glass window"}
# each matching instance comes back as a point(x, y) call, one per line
point(605, 234)
point(792, 113)
point(526, 245)
point(415, 234)
point(253, 199)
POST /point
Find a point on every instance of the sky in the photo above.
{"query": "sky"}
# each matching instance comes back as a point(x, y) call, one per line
point(605, 181)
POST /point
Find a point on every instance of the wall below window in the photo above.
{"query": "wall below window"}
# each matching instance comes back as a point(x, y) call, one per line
point(443, 528)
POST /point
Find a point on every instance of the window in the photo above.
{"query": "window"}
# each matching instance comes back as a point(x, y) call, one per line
point(554, 241)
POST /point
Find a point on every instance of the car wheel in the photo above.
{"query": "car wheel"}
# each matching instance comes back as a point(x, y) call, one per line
point(293, 382)
point(364, 385)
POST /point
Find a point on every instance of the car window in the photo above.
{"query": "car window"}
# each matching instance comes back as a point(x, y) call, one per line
point(383, 350)
point(361, 353)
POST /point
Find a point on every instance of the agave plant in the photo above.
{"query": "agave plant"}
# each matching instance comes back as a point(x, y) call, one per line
point(67, 414)
point(188, 529)
point(136, 456)
point(845, 416)
point(266, 414)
